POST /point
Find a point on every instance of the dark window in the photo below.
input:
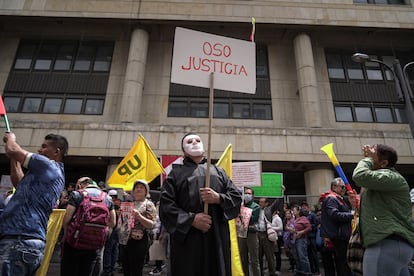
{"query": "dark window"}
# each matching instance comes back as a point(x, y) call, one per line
point(190, 101)
point(45, 57)
point(64, 57)
point(67, 77)
point(84, 58)
point(25, 56)
point(364, 92)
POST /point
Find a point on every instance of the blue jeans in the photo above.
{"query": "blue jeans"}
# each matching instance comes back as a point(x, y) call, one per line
point(110, 255)
point(302, 260)
point(388, 258)
point(20, 257)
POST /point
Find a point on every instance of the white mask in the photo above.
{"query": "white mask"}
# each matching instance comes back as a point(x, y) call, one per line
point(193, 146)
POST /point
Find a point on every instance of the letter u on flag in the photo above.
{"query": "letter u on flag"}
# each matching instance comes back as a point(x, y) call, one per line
point(139, 163)
point(225, 162)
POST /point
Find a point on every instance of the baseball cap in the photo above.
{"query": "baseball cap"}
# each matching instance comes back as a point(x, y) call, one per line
point(113, 192)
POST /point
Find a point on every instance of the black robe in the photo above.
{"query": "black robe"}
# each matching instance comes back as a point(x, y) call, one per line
point(192, 252)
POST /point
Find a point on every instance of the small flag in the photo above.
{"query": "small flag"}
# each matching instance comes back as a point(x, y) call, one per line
point(139, 163)
point(167, 162)
point(4, 115)
point(2, 108)
point(225, 162)
point(253, 29)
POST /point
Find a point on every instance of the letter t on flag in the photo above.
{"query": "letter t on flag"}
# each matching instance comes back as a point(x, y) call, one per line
point(139, 163)
point(4, 115)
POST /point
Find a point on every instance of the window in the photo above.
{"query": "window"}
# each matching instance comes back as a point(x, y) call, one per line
point(335, 66)
point(64, 57)
point(364, 92)
point(357, 112)
point(52, 77)
point(45, 57)
point(344, 114)
point(24, 56)
point(363, 114)
point(31, 105)
point(52, 105)
point(189, 101)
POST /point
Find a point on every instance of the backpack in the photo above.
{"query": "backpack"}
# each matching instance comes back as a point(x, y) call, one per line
point(89, 227)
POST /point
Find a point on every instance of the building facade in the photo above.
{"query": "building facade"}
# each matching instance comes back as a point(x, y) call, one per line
point(98, 72)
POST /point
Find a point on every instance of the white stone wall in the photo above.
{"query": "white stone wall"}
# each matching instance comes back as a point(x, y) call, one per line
point(310, 12)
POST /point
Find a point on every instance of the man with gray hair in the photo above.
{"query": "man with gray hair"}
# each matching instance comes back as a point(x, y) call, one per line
point(336, 222)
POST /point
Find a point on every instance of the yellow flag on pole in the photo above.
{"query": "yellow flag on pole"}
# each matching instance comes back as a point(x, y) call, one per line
point(139, 163)
point(225, 162)
point(53, 229)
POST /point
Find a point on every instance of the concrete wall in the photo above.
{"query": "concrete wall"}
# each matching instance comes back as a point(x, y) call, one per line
point(317, 12)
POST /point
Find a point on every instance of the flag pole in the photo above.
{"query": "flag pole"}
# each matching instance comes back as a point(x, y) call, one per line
point(210, 119)
point(6, 122)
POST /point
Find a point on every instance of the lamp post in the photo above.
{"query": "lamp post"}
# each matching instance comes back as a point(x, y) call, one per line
point(401, 83)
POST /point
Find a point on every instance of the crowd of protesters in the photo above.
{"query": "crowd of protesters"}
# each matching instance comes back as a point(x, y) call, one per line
point(140, 227)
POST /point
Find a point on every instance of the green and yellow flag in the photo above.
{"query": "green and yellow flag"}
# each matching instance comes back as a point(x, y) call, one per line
point(225, 162)
point(139, 163)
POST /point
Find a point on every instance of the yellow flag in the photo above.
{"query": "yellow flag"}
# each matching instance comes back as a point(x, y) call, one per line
point(139, 163)
point(225, 162)
point(53, 229)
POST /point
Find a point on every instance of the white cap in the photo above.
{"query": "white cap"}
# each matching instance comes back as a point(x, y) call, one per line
point(113, 192)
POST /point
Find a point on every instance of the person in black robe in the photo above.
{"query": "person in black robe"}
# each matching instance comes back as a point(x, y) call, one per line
point(200, 243)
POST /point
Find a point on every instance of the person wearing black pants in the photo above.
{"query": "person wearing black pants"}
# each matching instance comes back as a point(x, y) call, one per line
point(133, 255)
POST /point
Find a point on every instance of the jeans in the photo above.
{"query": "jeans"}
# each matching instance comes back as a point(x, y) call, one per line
point(302, 260)
point(111, 252)
point(313, 256)
point(388, 258)
point(20, 257)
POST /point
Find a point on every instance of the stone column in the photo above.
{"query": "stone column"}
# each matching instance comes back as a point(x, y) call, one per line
point(134, 77)
point(307, 85)
point(317, 182)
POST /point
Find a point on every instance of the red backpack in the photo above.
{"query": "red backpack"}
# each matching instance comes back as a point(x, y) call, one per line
point(89, 227)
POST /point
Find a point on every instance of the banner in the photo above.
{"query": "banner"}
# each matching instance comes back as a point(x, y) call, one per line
point(196, 55)
point(139, 163)
point(272, 186)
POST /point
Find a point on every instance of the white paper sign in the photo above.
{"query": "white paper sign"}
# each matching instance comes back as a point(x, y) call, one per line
point(196, 55)
point(247, 174)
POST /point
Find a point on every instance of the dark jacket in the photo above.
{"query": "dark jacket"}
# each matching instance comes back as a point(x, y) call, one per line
point(336, 216)
point(192, 251)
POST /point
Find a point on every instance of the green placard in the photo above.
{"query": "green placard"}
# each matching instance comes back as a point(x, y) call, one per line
point(271, 185)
